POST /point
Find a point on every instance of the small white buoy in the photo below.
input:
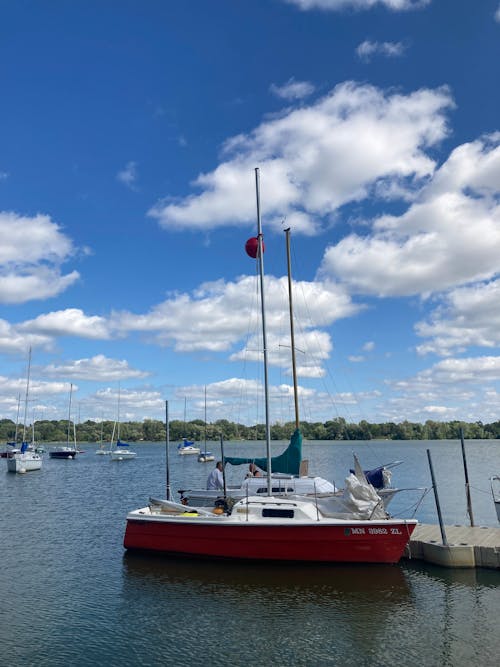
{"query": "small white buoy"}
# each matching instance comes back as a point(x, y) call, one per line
point(22, 470)
point(70, 457)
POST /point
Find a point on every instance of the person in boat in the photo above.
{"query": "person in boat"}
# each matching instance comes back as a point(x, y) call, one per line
point(215, 479)
point(253, 471)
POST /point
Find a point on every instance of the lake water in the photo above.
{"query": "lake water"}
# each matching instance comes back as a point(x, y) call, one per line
point(71, 596)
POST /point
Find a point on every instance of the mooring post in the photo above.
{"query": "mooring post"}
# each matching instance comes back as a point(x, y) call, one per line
point(438, 506)
point(467, 485)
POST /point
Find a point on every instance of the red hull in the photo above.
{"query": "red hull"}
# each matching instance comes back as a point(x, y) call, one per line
point(376, 543)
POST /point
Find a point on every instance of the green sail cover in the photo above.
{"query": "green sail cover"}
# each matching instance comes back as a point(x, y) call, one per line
point(288, 462)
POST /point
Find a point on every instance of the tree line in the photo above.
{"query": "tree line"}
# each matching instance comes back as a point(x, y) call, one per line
point(151, 430)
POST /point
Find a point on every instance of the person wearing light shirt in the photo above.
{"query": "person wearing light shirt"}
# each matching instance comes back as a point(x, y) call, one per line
point(215, 479)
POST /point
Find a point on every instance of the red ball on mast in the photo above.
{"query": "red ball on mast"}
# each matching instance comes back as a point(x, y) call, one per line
point(252, 247)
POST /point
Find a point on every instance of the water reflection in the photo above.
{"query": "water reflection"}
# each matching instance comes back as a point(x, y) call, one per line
point(267, 579)
point(294, 614)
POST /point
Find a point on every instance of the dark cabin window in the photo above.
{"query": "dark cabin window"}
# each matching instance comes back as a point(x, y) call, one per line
point(277, 514)
point(276, 489)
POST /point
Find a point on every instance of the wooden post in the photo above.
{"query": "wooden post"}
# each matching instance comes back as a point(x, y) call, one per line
point(467, 485)
point(436, 497)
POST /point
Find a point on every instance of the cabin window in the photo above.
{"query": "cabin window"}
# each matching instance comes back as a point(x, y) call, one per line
point(276, 489)
point(277, 514)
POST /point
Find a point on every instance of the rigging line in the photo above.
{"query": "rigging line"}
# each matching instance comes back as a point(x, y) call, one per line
point(250, 336)
point(322, 364)
point(313, 329)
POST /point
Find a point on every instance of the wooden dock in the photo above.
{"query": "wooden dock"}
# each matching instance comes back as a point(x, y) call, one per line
point(467, 547)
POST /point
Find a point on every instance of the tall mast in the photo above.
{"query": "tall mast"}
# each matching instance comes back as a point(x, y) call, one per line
point(26, 396)
point(167, 442)
point(118, 420)
point(292, 332)
point(69, 413)
point(264, 334)
point(17, 416)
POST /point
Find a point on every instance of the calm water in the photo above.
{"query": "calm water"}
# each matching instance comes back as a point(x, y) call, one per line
point(70, 595)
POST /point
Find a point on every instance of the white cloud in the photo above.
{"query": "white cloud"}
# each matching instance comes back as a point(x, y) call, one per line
point(69, 322)
point(448, 237)
point(97, 368)
point(31, 253)
point(216, 318)
point(459, 388)
point(497, 14)
point(336, 5)
point(367, 49)
point(313, 348)
point(135, 404)
point(467, 316)
point(3, 175)
point(369, 346)
point(470, 370)
point(376, 137)
point(292, 90)
point(128, 175)
point(13, 341)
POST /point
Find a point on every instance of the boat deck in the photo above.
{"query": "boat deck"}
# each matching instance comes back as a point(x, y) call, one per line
point(468, 546)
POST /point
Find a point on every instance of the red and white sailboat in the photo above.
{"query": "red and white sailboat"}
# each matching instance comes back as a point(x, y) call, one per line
point(355, 528)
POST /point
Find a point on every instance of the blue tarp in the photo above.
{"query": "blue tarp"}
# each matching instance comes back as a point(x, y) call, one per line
point(374, 477)
point(185, 443)
point(287, 463)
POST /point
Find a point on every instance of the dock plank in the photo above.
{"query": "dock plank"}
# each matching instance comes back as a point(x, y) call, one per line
point(468, 546)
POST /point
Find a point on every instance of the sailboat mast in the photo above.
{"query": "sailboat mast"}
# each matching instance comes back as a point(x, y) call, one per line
point(292, 331)
point(264, 333)
point(26, 397)
point(69, 413)
point(167, 442)
point(205, 421)
point(118, 420)
point(17, 416)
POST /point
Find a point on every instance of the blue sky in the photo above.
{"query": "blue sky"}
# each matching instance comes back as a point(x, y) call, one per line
point(129, 134)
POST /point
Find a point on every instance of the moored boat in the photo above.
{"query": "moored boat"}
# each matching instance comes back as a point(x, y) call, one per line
point(354, 528)
point(63, 452)
point(25, 459)
point(269, 528)
point(122, 452)
point(67, 451)
point(187, 447)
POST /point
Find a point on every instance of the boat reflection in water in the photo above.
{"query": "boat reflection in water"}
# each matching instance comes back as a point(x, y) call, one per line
point(311, 614)
point(267, 578)
point(283, 614)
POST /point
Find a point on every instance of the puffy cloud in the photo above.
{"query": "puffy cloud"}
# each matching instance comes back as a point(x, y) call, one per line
point(313, 348)
point(292, 90)
point(467, 316)
point(217, 316)
point(128, 175)
point(378, 138)
point(69, 322)
point(367, 49)
point(99, 368)
point(135, 404)
point(448, 237)
point(336, 5)
point(12, 340)
point(33, 272)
